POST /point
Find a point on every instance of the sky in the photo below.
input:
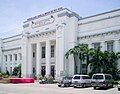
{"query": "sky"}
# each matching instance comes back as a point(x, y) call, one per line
point(14, 12)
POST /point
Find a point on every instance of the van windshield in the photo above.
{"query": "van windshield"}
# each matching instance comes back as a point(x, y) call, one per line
point(98, 77)
point(76, 77)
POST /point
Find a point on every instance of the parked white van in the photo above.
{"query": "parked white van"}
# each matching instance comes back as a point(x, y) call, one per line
point(81, 81)
point(102, 80)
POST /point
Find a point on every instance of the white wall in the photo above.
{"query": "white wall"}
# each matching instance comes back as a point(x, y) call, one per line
point(11, 46)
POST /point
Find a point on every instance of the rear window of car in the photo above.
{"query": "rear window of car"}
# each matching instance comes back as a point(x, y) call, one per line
point(98, 77)
point(76, 77)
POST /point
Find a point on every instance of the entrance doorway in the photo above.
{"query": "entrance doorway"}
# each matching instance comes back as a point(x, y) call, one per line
point(53, 71)
point(43, 70)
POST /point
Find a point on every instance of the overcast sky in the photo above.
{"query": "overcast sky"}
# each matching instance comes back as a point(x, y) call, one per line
point(14, 12)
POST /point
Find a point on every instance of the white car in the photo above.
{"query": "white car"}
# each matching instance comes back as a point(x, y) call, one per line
point(81, 81)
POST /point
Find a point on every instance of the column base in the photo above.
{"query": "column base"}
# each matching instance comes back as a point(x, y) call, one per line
point(27, 75)
point(57, 77)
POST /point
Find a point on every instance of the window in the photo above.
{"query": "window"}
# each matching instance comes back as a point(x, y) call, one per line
point(52, 50)
point(6, 58)
point(6, 69)
point(110, 46)
point(98, 77)
point(96, 45)
point(33, 54)
point(10, 57)
point(15, 57)
point(43, 52)
point(20, 55)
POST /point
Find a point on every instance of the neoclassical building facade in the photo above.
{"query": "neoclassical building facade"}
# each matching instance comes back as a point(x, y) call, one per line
point(41, 46)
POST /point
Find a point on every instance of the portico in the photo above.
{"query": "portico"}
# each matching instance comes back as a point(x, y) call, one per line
point(41, 55)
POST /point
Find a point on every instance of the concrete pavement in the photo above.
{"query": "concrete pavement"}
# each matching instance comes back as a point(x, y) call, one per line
point(36, 88)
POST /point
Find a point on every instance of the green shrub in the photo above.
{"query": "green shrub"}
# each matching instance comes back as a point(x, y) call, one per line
point(41, 77)
point(50, 79)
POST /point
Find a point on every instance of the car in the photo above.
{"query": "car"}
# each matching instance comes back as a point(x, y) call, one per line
point(119, 86)
point(65, 82)
point(81, 81)
point(102, 80)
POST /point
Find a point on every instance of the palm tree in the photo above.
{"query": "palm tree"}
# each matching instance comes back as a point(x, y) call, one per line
point(80, 52)
point(104, 62)
point(112, 63)
point(96, 59)
point(101, 62)
point(74, 52)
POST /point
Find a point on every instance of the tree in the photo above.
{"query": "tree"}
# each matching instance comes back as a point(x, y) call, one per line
point(96, 60)
point(101, 62)
point(104, 62)
point(80, 52)
point(112, 63)
point(74, 52)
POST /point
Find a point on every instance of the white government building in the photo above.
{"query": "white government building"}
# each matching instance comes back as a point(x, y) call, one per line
point(45, 39)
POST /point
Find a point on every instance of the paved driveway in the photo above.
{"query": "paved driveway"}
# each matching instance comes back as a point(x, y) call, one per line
point(37, 88)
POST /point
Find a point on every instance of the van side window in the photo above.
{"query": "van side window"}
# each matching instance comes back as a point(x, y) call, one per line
point(107, 77)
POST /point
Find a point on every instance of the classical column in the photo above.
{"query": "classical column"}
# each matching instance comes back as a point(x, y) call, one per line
point(24, 55)
point(103, 46)
point(47, 58)
point(30, 63)
point(116, 46)
point(38, 63)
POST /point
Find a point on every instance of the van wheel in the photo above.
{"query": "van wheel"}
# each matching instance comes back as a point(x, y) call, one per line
point(83, 85)
point(94, 87)
point(74, 86)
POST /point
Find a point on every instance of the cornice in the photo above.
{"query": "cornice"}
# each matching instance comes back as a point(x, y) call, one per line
point(109, 17)
point(100, 14)
point(12, 36)
point(12, 40)
point(9, 49)
point(100, 34)
point(42, 34)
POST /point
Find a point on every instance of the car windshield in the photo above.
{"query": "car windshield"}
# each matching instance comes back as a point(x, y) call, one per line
point(98, 77)
point(76, 77)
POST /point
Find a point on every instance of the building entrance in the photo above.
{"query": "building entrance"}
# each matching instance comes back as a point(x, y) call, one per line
point(53, 71)
point(43, 71)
